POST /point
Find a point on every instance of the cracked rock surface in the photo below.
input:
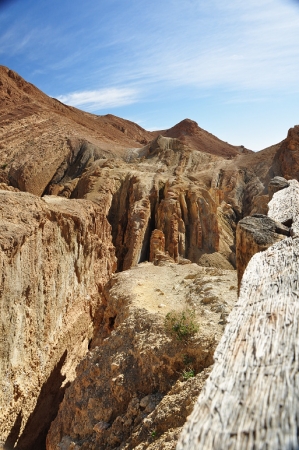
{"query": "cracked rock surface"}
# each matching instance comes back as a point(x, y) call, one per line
point(130, 391)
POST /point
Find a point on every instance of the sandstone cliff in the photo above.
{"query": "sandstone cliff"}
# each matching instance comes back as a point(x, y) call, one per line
point(250, 399)
point(55, 257)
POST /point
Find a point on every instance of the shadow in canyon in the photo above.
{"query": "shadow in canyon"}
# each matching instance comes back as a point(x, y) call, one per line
point(35, 432)
point(14, 433)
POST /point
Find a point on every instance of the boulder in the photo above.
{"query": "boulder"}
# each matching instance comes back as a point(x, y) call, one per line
point(255, 234)
point(276, 184)
point(284, 206)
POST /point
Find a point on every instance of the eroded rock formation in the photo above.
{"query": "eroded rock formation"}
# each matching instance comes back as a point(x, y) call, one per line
point(127, 385)
point(277, 184)
point(55, 257)
point(286, 161)
point(250, 399)
point(284, 206)
point(256, 234)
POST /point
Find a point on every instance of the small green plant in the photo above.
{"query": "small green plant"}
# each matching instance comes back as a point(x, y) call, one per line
point(181, 324)
point(188, 374)
point(154, 434)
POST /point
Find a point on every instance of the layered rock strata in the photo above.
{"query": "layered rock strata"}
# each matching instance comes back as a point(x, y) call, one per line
point(129, 382)
point(55, 257)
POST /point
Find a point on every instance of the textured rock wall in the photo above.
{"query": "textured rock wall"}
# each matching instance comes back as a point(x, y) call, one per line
point(137, 203)
point(130, 391)
point(55, 257)
point(284, 206)
point(286, 161)
point(250, 400)
point(256, 234)
point(276, 184)
point(188, 218)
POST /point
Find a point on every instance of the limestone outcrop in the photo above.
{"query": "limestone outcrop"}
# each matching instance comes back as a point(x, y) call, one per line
point(284, 206)
point(55, 257)
point(276, 184)
point(256, 234)
point(250, 399)
point(130, 390)
point(139, 201)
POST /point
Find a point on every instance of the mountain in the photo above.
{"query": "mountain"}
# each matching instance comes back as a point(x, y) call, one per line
point(44, 132)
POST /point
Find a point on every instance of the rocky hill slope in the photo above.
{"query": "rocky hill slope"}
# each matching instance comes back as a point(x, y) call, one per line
point(82, 197)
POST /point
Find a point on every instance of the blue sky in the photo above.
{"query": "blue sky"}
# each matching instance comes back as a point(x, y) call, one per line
point(232, 66)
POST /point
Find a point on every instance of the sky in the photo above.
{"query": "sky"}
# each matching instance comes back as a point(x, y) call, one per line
point(230, 65)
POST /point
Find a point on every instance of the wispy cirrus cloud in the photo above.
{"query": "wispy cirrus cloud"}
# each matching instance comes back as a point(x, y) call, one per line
point(210, 60)
point(231, 45)
point(101, 98)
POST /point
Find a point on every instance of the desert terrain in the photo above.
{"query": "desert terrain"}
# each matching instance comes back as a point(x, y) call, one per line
point(107, 231)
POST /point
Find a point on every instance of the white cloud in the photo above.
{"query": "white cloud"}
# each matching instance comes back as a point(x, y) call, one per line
point(158, 47)
point(232, 45)
point(101, 98)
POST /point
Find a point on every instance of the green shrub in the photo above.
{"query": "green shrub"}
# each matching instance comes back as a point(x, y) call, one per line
point(154, 434)
point(188, 374)
point(181, 324)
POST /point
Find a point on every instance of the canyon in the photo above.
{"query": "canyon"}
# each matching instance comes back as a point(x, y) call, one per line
point(106, 230)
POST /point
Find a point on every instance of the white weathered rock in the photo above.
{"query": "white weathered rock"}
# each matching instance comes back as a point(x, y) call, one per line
point(250, 400)
point(255, 234)
point(277, 184)
point(284, 206)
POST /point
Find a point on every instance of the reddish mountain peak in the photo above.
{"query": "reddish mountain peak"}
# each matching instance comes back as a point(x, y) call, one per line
point(192, 135)
point(186, 127)
point(14, 88)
